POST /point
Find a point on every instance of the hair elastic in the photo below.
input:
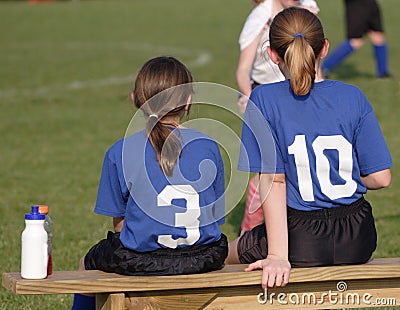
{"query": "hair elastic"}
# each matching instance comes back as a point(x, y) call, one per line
point(298, 35)
point(153, 115)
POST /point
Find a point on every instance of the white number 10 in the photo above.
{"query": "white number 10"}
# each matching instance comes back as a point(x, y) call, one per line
point(321, 143)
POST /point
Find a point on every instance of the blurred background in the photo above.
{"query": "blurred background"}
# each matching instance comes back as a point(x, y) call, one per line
point(66, 72)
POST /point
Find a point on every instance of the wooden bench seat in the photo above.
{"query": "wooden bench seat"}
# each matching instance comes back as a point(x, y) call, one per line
point(374, 284)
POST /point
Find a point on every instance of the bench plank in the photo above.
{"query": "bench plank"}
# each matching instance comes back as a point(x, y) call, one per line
point(110, 301)
point(229, 288)
point(94, 281)
point(314, 294)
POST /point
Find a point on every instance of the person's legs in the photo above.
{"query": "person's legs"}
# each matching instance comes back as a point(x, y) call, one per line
point(233, 257)
point(338, 236)
point(380, 52)
point(341, 52)
point(249, 247)
point(101, 257)
point(310, 238)
point(356, 14)
point(110, 255)
point(253, 213)
point(355, 234)
point(381, 58)
point(310, 241)
point(335, 236)
point(82, 263)
point(186, 260)
point(378, 39)
point(83, 301)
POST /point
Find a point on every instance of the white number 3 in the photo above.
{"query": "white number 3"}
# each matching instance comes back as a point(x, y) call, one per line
point(188, 219)
point(321, 143)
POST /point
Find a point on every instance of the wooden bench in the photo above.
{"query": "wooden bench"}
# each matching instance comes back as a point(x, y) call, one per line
point(374, 284)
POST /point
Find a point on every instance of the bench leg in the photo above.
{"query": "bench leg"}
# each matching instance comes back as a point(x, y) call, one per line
point(114, 301)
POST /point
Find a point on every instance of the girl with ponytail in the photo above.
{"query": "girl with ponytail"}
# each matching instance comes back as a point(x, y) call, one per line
point(163, 187)
point(329, 151)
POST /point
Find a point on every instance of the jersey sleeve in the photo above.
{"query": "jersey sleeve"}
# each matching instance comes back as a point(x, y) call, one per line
point(219, 187)
point(257, 150)
point(111, 197)
point(372, 152)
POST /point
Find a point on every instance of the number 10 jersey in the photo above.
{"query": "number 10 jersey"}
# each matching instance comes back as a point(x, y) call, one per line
point(323, 142)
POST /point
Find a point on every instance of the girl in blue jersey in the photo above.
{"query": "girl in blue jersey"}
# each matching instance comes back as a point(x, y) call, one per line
point(328, 150)
point(163, 187)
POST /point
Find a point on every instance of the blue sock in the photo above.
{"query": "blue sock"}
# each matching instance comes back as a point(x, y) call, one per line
point(381, 57)
point(337, 56)
point(84, 302)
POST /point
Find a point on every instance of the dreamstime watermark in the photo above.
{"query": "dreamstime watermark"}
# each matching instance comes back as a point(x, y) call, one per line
point(340, 296)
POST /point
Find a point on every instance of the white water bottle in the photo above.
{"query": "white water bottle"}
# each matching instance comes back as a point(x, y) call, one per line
point(34, 254)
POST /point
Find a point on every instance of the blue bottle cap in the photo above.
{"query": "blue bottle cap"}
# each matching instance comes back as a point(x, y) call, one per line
point(34, 215)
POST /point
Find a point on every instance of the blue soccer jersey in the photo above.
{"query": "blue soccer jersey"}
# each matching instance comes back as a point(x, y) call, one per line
point(323, 142)
point(160, 211)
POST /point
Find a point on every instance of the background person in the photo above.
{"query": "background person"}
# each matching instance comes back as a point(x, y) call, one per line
point(363, 17)
point(329, 151)
point(255, 68)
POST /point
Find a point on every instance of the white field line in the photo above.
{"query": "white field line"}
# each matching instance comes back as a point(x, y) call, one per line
point(202, 58)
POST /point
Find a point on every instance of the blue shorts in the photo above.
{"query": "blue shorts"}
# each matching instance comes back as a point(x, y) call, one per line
point(110, 255)
point(337, 236)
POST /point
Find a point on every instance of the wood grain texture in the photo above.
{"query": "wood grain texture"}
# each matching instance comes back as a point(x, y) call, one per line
point(309, 295)
point(110, 301)
point(229, 288)
point(94, 281)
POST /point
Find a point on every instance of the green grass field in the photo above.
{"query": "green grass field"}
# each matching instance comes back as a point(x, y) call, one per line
point(66, 71)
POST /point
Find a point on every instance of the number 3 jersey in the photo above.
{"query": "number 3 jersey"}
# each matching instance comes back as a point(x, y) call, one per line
point(161, 211)
point(323, 142)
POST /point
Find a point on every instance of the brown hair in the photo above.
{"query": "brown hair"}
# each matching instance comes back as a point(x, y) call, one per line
point(257, 2)
point(156, 96)
point(298, 37)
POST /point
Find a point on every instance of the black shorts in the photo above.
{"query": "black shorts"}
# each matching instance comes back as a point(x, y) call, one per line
point(361, 17)
point(254, 84)
point(110, 255)
point(337, 236)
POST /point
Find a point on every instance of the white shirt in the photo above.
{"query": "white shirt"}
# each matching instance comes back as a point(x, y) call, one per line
point(264, 70)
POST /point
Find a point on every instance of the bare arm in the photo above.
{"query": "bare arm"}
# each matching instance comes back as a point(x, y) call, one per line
point(276, 267)
point(378, 179)
point(118, 223)
point(246, 60)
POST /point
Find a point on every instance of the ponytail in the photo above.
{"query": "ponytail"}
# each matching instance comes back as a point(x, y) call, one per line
point(166, 142)
point(298, 38)
point(162, 89)
point(300, 61)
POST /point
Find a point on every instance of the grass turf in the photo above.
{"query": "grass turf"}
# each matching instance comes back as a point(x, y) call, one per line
point(66, 70)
